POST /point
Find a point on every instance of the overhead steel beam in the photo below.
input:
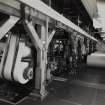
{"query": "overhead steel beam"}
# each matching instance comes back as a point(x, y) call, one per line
point(40, 11)
point(8, 25)
point(48, 11)
point(14, 8)
point(10, 8)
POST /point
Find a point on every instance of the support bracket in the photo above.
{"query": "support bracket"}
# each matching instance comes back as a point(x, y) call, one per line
point(33, 34)
point(51, 36)
point(8, 25)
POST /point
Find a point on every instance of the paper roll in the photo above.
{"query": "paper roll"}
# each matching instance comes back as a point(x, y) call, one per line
point(11, 67)
point(3, 58)
point(96, 59)
point(21, 66)
point(10, 58)
point(18, 73)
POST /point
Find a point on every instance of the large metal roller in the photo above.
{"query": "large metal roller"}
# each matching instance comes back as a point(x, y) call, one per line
point(96, 59)
point(22, 72)
point(14, 68)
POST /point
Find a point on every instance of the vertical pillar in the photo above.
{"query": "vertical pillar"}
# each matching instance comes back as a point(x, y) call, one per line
point(40, 41)
point(42, 62)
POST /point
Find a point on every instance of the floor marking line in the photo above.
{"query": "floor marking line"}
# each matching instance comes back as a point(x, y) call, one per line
point(6, 101)
point(70, 102)
point(26, 97)
point(94, 99)
point(88, 84)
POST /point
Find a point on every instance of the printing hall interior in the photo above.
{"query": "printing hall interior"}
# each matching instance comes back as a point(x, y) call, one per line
point(52, 52)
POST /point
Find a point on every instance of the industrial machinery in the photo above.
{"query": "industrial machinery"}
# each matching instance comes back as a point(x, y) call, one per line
point(36, 42)
point(16, 65)
point(67, 53)
point(17, 53)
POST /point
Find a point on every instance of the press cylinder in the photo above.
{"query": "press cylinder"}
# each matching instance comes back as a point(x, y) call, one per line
point(14, 68)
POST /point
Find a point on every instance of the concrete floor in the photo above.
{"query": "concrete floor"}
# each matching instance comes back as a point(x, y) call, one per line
point(87, 89)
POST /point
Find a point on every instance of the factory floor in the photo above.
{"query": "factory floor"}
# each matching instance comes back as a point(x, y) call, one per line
point(88, 88)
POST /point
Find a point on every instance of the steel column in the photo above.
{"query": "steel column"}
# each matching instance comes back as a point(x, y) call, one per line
point(41, 46)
